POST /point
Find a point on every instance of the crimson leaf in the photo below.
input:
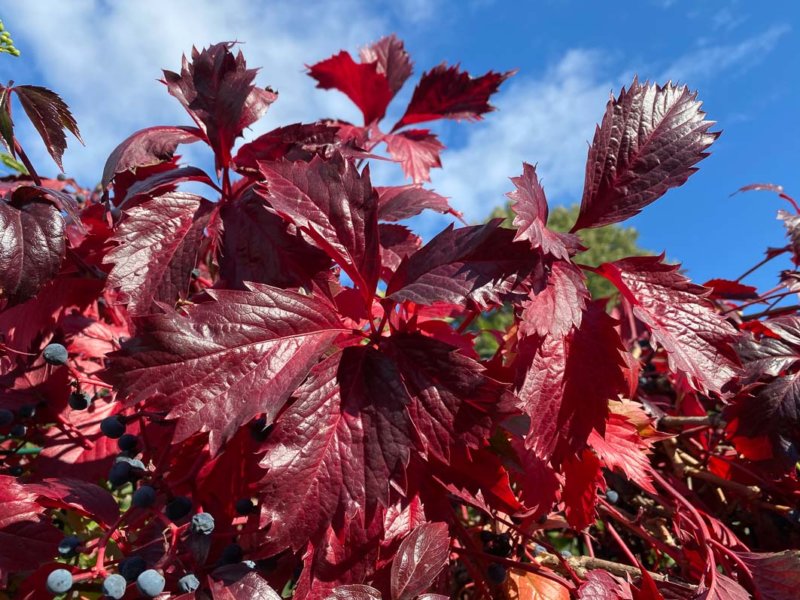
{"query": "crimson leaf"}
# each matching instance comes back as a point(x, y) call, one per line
point(146, 148)
point(158, 242)
point(87, 498)
point(336, 206)
point(480, 263)
point(567, 383)
point(163, 182)
point(649, 141)
point(559, 306)
point(420, 558)
point(259, 246)
point(531, 211)
point(776, 575)
point(417, 151)
point(363, 83)
point(449, 93)
point(391, 59)
point(404, 201)
point(50, 116)
point(342, 442)
point(397, 242)
point(698, 341)
point(216, 89)
point(769, 355)
point(31, 247)
point(773, 407)
point(583, 476)
point(241, 354)
point(27, 538)
point(452, 400)
point(299, 141)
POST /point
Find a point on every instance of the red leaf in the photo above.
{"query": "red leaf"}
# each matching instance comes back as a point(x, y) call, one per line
point(567, 383)
point(698, 341)
point(146, 148)
point(760, 187)
point(334, 447)
point(392, 60)
point(216, 89)
point(623, 449)
point(259, 246)
point(559, 307)
point(452, 402)
point(355, 591)
point(87, 498)
point(336, 206)
point(397, 242)
point(162, 182)
point(771, 355)
point(724, 588)
point(531, 211)
point(241, 354)
point(158, 242)
point(582, 478)
point(404, 201)
point(478, 263)
point(601, 585)
point(419, 560)
point(537, 481)
point(341, 557)
point(417, 151)
point(27, 539)
point(249, 587)
point(791, 223)
point(772, 408)
point(363, 83)
point(50, 116)
point(650, 139)
point(776, 575)
point(448, 93)
point(723, 289)
point(31, 250)
point(299, 141)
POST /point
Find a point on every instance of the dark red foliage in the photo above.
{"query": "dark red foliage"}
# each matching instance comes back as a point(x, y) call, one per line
point(288, 358)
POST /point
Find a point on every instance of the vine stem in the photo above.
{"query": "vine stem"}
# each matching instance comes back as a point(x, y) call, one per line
point(27, 162)
point(513, 564)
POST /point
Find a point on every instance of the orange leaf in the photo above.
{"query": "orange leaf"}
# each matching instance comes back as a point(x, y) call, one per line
point(522, 585)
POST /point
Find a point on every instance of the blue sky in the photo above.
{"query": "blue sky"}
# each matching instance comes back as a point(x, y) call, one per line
point(104, 58)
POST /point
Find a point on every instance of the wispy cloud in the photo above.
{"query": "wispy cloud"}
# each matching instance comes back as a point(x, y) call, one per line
point(105, 58)
point(710, 59)
point(546, 121)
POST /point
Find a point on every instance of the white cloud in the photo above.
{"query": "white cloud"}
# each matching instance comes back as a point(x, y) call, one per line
point(104, 58)
point(712, 59)
point(546, 121)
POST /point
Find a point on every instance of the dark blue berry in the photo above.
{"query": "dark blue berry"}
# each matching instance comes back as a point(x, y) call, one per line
point(150, 583)
point(120, 474)
point(612, 496)
point(566, 554)
point(59, 581)
point(80, 400)
point(128, 442)
point(496, 574)
point(28, 411)
point(16, 470)
point(244, 506)
point(202, 523)
point(55, 354)
point(114, 586)
point(486, 536)
point(188, 583)
point(130, 568)
point(249, 564)
point(112, 427)
point(6, 417)
point(18, 431)
point(144, 497)
point(539, 549)
point(178, 508)
point(67, 547)
point(231, 554)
